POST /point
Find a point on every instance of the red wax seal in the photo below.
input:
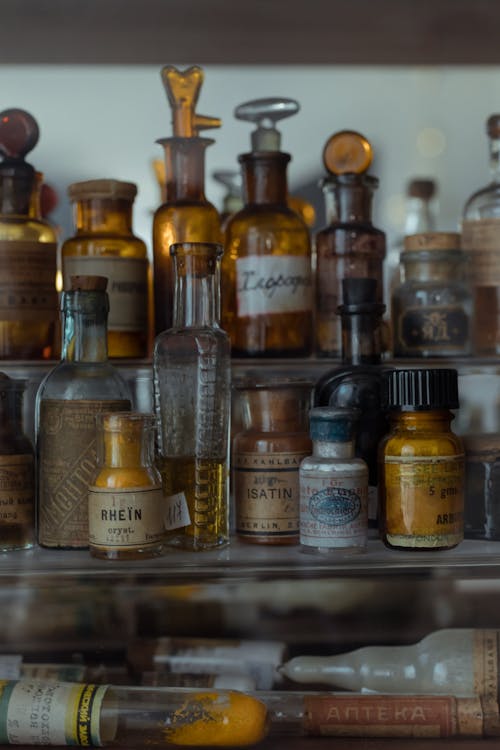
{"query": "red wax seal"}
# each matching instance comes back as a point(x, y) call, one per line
point(18, 133)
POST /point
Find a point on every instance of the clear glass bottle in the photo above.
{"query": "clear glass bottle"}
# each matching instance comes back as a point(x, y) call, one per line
point(126, 505)
point(357, 382)
point(481, 241)
point(17, 471)
point(482, 486)
point(432, 308)
point(266, 459)
point(333, 486)
point(104, 245)
point(192, 385)
point(186, 215)
point(266, 269)
point(232, 200)
point(68, 399)
point(28, 249)
point(422, 482)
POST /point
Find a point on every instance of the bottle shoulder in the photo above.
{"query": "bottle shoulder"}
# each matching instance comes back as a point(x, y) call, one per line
point(192, 339)
point(104, 245)
point(25, 229)
point(424, 443)
point(265, 218)
point(84, 380)
point(483, 204)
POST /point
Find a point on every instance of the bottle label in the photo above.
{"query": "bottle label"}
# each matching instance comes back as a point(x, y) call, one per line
point(28, 281)
point(67, 467)
point(50, 713)
point(17, 490)
point(392, 716)
point(177, 512)
point(485, 655)
point(126, 519)
point(273, 284)
point(435, 328)
point(333, 511)
point(267, 494)
point(127, 287)
point(424, 500)
point(481, 240)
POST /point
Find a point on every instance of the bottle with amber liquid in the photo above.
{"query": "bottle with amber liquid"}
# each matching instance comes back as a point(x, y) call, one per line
point(350, 246)
point(104, 245)
point(28, 249)
point(266, 269)
point(186, 215)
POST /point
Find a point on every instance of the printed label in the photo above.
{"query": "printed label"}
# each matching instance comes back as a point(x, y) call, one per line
point(50, 713)
point(333, 511)
point(127, 287)
point(68, 463)
point(424, 498)
point(126, 519)
point(481, 240)
point(267, 493)
point(177, 512)
point(17, 490)
point(485, 662)
point(441, 328)
point(28, 281)
point(272, 284)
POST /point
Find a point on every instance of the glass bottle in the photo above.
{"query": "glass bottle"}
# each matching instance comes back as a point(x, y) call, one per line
point(333, 486)
point(357, 382)
point(28, 249)
point(126, 505)
point(104, 245)
point(192, 384)
point(68, 399)
point(232, 200)
point(460, 662)
point(186, 215)
point(17, 471)
point(432, 308)
point(481, 241)
point(266, 268)
point(349, 246)
point(422, 462)
point(266, 459)
point(482, 486)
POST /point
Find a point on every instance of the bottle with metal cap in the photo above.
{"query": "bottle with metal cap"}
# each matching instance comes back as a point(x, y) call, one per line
point(266, 269)
point(333, 485)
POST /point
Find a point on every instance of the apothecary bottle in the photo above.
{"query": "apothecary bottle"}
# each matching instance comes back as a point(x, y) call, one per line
point(333, 486)
point(17, 471)
point(28, 249)
point(482, 486)
point(266, 458)
point(70, 396)
point(432, 307)
point(481, 241)
point(104, 245)
point(266, 269)
point(186, 215)
point(422, 479)
point(192, 386)
point(126, 505)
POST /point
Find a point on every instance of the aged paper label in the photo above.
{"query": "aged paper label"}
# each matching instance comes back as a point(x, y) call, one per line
point(28, 281)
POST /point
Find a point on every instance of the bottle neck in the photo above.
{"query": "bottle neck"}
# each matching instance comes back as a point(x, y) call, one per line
point(128, 449)
point(276, 409)
point(446, 266)
point(433, 420)
point(419, 217)
point(85, 319)
point(265, 178)
point(330, 449)
point(103, 215)
point(495, 159)
point(185, 169)
point(361, 338)
point(16, 194)
point(197, 290)
point(353, 202)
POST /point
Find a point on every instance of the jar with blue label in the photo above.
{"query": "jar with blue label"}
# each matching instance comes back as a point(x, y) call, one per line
point(333, 485)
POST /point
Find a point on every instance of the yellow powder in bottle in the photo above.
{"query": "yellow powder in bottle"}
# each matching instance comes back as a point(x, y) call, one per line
point(218, 719)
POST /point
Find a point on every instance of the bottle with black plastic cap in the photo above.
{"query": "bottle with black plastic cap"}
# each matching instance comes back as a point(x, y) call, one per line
point(422, 462)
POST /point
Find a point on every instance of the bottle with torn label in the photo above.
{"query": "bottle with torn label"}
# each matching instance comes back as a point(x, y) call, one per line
point(266, 269)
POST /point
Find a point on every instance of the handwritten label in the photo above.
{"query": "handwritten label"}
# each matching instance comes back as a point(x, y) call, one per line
point(177, 512)
point(273, 284)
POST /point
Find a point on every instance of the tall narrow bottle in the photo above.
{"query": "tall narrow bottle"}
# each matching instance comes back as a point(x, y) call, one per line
point(266, 269)
point(481, 241)
point(186, 215)
point(28, 249)
point(192, 377)
point(81, 386)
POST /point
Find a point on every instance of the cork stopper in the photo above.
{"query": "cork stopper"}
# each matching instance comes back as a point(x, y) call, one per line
point(88, 283)
point(114, 189)
point(432, 241)
point(419, 188)
point(493, 126)
point(347, 152)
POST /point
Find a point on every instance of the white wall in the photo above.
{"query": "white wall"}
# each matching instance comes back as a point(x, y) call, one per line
point(102, 121)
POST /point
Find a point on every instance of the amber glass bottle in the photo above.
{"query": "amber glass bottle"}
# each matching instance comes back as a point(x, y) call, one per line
point(104, 245)
point(186, 215)
point(28, 248)
point(266, 267)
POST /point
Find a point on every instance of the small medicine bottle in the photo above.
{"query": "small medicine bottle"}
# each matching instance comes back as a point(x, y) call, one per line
point(126, 504)
point(266, 459)
point(333, 485)
point(422, 462)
